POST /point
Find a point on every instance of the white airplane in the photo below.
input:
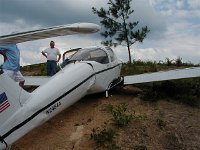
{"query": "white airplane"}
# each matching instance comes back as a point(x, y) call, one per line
point(87, 71)
point(84, 71)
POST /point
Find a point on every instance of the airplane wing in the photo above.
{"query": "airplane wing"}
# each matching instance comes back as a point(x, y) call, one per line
point(163, 75)
point(69, 29)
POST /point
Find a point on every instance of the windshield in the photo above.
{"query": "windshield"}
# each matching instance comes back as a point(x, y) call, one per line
point(92, 54)
point(80, 55)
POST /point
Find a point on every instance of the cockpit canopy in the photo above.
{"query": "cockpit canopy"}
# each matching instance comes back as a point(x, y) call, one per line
point(90, 54)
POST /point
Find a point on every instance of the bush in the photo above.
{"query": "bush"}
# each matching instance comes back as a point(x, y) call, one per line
point(105, 138)
point(120, 117)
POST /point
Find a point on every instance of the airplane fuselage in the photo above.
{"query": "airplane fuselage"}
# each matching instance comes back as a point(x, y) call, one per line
point(70, 84)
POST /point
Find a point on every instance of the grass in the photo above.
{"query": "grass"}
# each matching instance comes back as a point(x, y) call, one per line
point(34, 70)
point(120, 116)
point(105, 138)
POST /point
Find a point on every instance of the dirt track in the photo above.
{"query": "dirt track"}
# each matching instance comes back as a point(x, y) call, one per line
point(71, 128)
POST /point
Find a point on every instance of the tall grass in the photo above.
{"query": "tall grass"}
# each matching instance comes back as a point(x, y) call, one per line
point(138, 67)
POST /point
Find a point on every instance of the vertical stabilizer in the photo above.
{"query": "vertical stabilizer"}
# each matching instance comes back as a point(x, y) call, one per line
point(12, 97)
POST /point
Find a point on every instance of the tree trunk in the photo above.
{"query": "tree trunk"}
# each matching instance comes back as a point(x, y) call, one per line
point(129, 54)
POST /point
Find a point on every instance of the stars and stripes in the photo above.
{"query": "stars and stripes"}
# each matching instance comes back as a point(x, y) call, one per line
point(4, 103)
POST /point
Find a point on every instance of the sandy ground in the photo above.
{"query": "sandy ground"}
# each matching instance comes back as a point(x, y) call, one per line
point(71, 129)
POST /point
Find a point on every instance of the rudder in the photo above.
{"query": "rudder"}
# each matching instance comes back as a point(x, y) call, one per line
point(12, 97)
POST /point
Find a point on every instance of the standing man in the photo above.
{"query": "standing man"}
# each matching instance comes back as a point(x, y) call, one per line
point(52, 60)
point(11, 65)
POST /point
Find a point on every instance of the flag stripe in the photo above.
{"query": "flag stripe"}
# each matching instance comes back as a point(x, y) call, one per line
point(4, 103)
point(3, 109)
point(5, 106)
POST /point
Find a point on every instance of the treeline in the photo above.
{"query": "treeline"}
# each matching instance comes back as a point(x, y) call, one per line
point(34, 70)
point(139, 66)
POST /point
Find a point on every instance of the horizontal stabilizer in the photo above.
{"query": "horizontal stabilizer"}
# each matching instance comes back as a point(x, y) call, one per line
point(163, 75)
point(69, 29)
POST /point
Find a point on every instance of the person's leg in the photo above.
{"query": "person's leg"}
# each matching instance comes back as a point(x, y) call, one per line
point(54, 68)
point(16, 76)
point(19, 78)
point(48, 68)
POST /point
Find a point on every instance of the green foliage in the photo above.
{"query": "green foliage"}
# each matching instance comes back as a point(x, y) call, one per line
point(186, 91)
point(169, 62)
point(35, 69)
point(43, 70)
point(105, 138)
point(120, 117)
point(138, 67)
point(179, 62)
point(119, 26)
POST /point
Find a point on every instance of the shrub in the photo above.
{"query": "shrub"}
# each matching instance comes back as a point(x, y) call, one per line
point(105, 138)
point(120, 117)
point(179, 62)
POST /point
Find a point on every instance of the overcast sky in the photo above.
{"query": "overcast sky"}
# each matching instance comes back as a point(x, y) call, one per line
point(174, 25)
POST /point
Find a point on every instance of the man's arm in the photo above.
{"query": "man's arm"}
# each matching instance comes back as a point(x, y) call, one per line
point(43, 53)
point(59, 56)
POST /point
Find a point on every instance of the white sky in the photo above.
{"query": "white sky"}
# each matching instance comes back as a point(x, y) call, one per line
point(174, 25)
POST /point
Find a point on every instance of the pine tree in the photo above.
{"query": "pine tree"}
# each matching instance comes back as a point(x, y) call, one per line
point(119, 28)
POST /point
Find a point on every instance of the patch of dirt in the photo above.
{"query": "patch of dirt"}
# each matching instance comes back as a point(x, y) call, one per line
point(71, 129)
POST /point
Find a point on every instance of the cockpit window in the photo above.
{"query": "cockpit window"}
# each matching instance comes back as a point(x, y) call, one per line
point(79, 55)
point(100, 56)
point(110, 51)
point(97, 55)
point(92, 54)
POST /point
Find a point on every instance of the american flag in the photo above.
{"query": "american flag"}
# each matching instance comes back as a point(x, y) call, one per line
point(4, 104)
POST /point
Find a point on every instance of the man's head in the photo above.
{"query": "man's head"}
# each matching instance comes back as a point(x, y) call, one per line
point(52, 44)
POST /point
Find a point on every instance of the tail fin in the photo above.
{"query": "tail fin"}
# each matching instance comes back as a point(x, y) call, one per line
point(12, 97)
